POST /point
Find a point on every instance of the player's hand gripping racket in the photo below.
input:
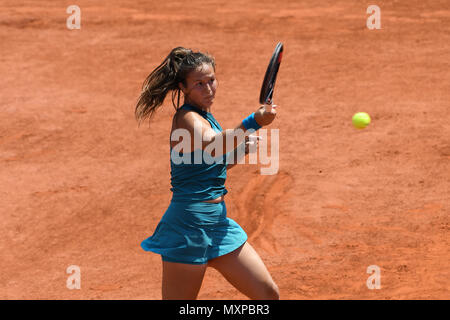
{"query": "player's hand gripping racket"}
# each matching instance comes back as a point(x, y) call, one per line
point(268, 85)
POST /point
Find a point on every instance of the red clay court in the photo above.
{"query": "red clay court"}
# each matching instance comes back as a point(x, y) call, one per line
point(81, 184)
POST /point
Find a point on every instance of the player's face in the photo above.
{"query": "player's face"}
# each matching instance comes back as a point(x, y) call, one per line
point(201, 85)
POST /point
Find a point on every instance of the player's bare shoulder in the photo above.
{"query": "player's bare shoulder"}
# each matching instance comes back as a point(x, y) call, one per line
point(190, 121)
point(187, 119)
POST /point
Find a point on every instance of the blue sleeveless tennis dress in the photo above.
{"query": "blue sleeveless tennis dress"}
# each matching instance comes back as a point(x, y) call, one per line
point(192, 231)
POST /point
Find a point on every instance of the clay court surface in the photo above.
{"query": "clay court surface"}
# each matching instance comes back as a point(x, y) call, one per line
point(81, 184)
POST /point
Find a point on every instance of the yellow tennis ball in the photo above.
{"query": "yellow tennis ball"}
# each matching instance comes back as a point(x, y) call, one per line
point(361, 120)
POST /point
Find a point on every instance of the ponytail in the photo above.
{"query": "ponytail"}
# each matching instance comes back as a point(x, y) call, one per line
point(166, 77)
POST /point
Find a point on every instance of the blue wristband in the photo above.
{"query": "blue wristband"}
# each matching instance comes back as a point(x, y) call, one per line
point(250, 122)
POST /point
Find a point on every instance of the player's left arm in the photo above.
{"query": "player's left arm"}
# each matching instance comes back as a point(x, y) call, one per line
point(249, 145)
point(234, 156)
point(263, 116)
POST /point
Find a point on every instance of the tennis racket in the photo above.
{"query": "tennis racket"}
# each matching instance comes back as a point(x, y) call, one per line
point(270, 77)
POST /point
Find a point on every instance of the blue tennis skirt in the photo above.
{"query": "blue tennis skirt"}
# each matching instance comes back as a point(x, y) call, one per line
point(195, 232)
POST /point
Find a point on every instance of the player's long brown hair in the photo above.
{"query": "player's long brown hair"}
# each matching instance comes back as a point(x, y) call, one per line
point(166, 77)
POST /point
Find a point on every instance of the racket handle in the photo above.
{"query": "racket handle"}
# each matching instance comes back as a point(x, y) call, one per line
point(269, 107)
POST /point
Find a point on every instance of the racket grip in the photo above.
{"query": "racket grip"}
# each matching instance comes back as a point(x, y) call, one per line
point(269, 107)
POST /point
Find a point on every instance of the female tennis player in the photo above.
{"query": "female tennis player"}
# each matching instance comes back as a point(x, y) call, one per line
point(195, 232)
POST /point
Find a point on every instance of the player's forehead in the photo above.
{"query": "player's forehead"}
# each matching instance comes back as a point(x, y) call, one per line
point(203, 72)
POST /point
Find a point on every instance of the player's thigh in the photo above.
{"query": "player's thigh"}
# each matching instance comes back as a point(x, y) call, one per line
point(181, 281)
point(245, 270)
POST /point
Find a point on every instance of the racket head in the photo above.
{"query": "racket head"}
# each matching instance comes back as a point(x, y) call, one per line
point(270, 77)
